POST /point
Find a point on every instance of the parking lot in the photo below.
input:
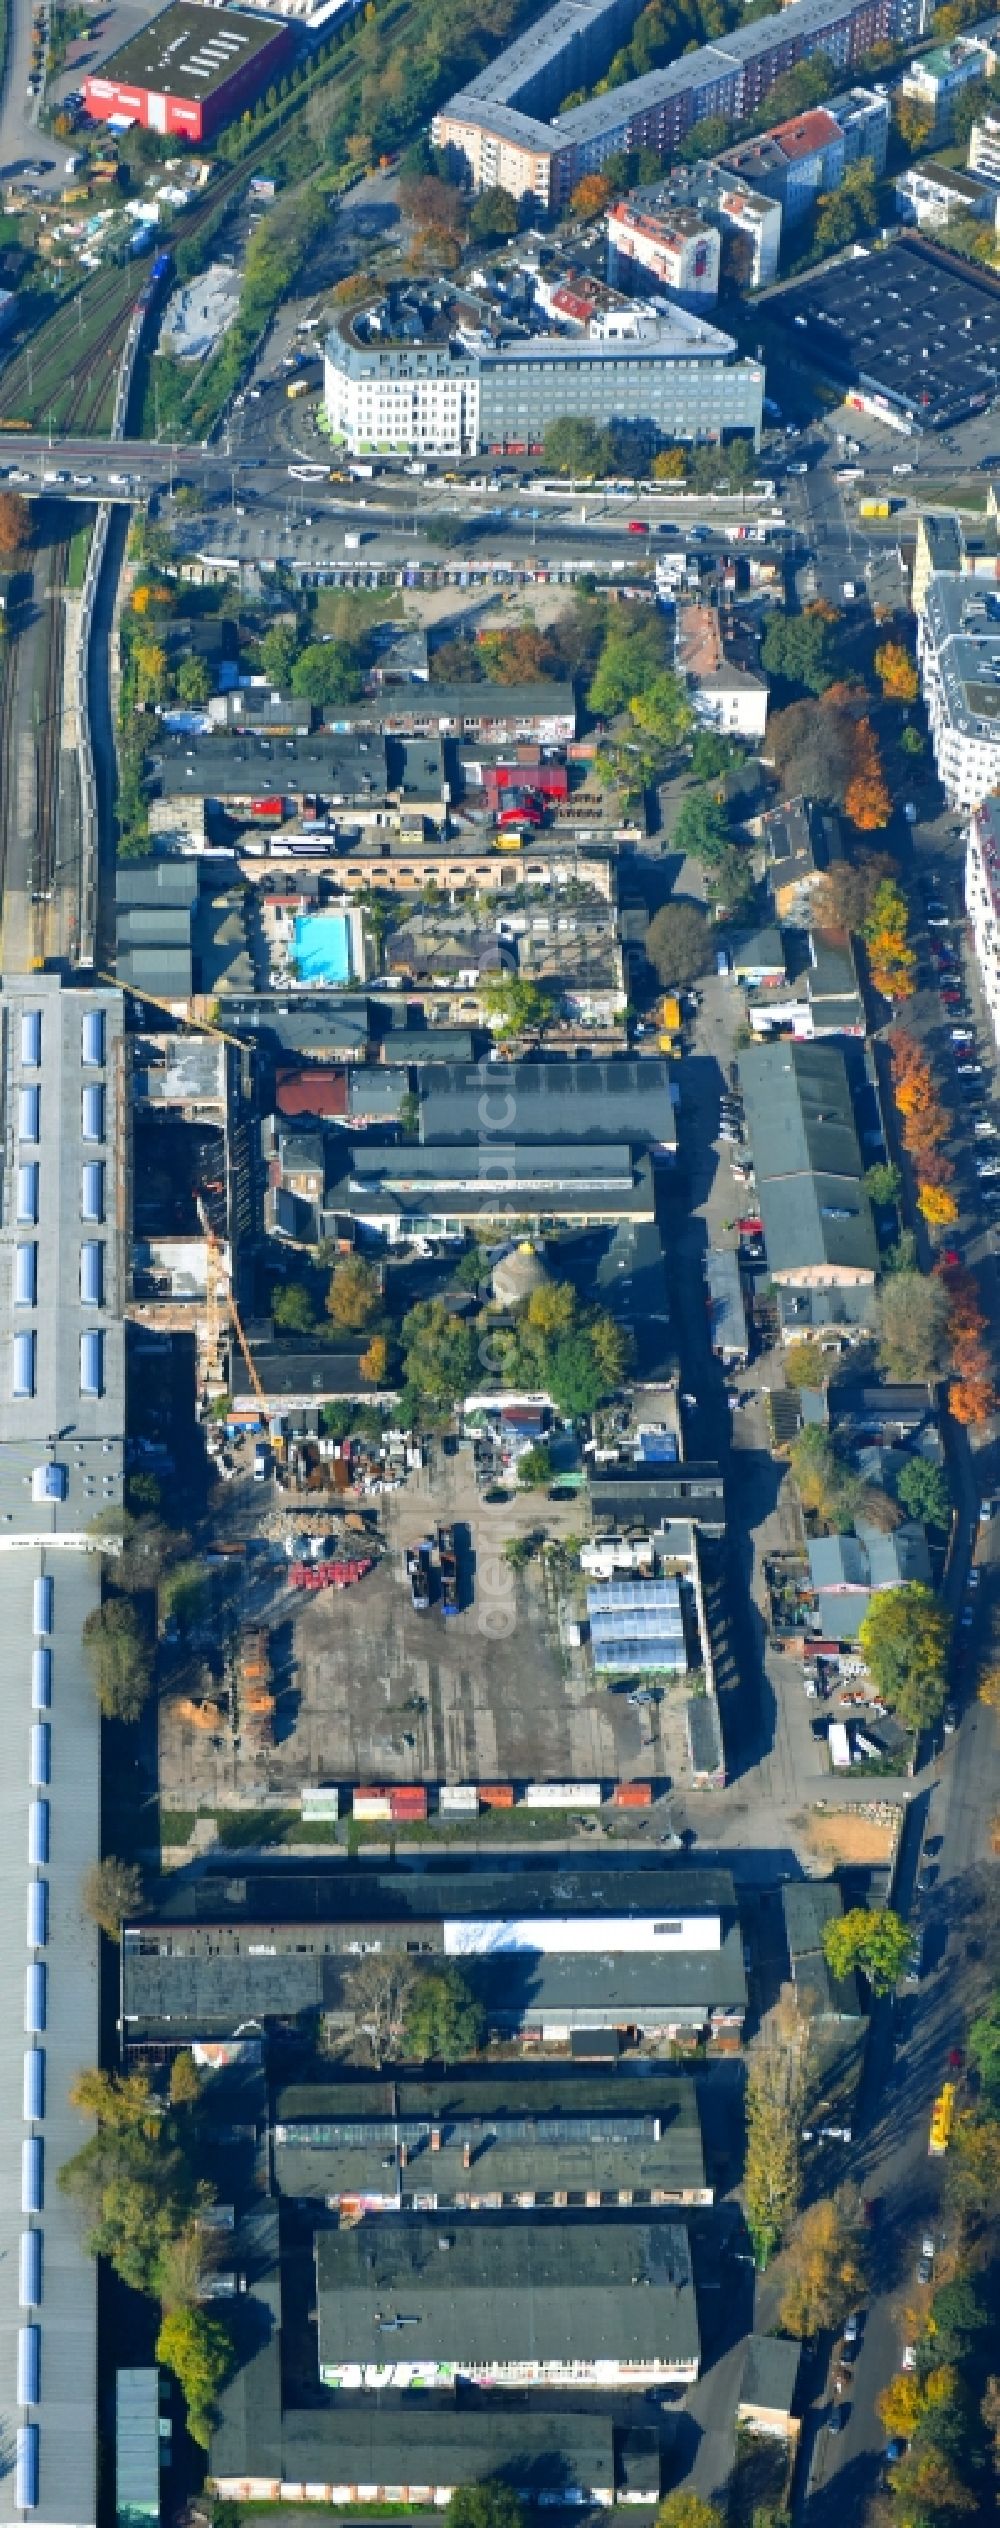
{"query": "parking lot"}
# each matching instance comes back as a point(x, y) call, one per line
point(369, 1691)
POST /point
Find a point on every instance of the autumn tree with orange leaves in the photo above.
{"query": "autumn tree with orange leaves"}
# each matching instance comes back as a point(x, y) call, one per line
point(866, 798)
point(896, 672)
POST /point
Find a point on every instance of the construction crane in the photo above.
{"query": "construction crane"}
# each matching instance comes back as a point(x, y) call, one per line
point(201, 1026)
point(215, 1272)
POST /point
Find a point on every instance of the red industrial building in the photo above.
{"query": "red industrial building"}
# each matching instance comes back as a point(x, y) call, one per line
point(189, 71)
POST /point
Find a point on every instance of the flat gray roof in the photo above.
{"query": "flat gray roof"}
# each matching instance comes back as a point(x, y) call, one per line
point(508, 2289)
point(807, 1158)
point(61, 1457)
point(329, 2147)
point(613, 1101)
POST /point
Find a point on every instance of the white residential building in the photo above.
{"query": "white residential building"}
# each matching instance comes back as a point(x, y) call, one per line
point(679, 248)
point(958, 648)
point(932, 194)
point(984, 148)
point(982, 897)
point(723, 696)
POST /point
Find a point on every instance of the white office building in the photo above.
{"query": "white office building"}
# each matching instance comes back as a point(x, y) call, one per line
point(958, 649)
point(459, 392)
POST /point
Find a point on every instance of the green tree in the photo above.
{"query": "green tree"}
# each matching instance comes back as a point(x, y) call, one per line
point(922, 1490)
point(183, 1594)
point(577, 448)
point(702, 828)
point(798, 650)
point(326, 673)
point(872, 1938)
point(292, 1308)
point(704, 140)
point(112, 1890)
point(632, 654)
point(132, 2181)
point(485, 2506)
point(185, 2080)
point(905, 1639)
point(534, 1468)
point(775, 2095)
point(355, 1294)
point(712, 755)
point(279, 650)
point(679, 944)
point(493, 216)
point(118, 1656)
point(199, 2351)
point(662, 709)
point(516, 1007)
point(959, 2314)
point(912, 1311)
point(194, 684)
point(983, 2046)
point(439, 1353)
point(687, 2510)
point(883, 1183)
point(444, 2021)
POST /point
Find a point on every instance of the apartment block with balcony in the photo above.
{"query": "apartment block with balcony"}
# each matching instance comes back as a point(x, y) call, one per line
point(958, 650)
point(982, 898)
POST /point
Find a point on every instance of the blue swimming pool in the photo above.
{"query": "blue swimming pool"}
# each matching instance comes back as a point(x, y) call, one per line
point(323, 947)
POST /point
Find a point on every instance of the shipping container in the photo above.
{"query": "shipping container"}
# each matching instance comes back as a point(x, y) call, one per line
point(319, 1801)
point(562, 1795)
point(408, 1800)
point(496, 1795)
point(670, 1012)
point(458, 1799)
point(370, 1805)
point(270, 810)
point(632, 1795)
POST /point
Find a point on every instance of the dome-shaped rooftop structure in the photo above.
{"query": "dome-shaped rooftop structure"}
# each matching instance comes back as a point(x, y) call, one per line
point(517, 1274)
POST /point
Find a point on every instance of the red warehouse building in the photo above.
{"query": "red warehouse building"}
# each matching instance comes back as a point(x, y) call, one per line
point(190, 70)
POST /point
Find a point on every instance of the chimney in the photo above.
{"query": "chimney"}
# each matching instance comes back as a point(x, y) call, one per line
point(404, 2154)
point(466, 2154)
point(435, 2137)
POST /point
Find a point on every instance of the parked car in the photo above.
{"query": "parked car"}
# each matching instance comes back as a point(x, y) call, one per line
point(837, 2418)
point(852, 2330)
point(909, 2360)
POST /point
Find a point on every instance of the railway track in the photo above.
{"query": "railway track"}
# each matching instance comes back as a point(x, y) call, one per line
point(48, 748)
